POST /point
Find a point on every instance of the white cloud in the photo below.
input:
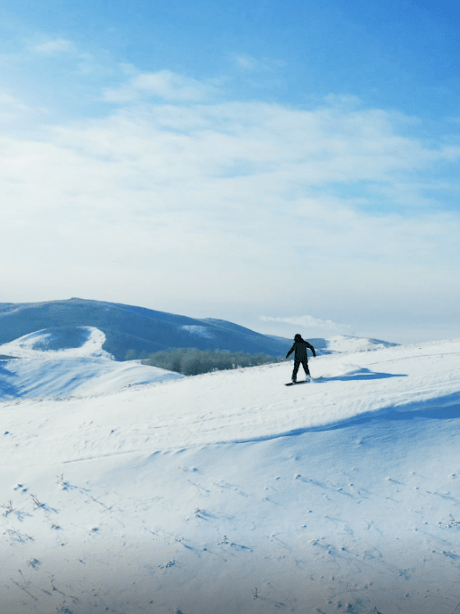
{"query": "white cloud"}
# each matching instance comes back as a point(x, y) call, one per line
point(164, 84)
point(53, 47)
point(246, 62)
point(11, 104)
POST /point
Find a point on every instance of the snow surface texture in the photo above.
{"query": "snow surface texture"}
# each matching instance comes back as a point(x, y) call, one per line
point(346, 343)
point(230, 493)
point(200, 331)
point(81, 371)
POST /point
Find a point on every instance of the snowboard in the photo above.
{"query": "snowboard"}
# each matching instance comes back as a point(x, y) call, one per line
point(304, 381)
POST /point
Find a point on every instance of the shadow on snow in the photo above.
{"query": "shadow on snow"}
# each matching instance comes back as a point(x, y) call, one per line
point(361, 375)
point(5, 386)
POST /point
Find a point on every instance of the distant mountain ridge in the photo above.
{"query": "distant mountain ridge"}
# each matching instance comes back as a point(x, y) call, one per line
point(128, 327)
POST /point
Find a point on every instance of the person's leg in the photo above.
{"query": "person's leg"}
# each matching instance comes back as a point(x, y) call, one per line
point(305, 367)
point(295, 370)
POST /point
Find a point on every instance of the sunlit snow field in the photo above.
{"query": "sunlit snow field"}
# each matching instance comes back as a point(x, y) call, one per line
point(229, 492)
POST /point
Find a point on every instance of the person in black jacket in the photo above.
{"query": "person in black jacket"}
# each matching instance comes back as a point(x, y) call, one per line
point(300, 356)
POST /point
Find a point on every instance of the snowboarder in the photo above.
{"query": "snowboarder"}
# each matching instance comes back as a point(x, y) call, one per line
point(300, 356)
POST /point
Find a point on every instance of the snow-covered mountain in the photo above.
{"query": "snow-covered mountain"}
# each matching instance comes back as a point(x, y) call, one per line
point(127, 327)
point(229, 492)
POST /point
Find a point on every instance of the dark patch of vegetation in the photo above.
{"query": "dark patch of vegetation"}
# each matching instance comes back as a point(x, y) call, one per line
point(133, 355)
point(191, 361)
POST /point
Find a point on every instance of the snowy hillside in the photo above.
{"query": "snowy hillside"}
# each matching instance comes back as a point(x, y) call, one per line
point(127, 327)
point(346, 343)
point(85, 370)
point(229, 492)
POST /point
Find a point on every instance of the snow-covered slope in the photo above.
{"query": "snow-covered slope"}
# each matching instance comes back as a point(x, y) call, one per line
point(128, 327)
point(231, 493)
point(35, 345)
point(85, 370)
point(346, 343)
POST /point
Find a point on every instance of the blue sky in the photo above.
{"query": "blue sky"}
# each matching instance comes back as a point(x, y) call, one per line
point(284, 165)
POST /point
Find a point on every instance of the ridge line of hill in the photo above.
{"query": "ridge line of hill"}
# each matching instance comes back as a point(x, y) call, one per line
point(128, 327)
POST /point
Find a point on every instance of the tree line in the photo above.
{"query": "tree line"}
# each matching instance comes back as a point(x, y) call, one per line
point(191, 361)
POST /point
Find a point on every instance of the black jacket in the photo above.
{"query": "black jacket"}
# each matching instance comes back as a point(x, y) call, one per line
point(300, 349)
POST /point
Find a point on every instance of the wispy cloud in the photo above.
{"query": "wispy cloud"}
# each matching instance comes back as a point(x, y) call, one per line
point(164, 84)
point(257, 68)
point(246, 62)
point(53, 47)
point(9, 103)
